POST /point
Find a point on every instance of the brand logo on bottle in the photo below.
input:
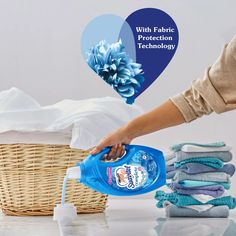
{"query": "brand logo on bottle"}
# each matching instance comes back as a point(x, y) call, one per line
point(130, 176)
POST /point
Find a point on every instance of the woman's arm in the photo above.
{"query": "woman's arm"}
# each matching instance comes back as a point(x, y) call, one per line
point(162, 117)
point(215, 91)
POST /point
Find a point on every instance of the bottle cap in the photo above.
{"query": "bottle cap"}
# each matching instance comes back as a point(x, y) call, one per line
point(65, 213)
point(73, 172)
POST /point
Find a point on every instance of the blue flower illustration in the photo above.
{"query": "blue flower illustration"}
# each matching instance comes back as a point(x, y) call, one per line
point(114, 66)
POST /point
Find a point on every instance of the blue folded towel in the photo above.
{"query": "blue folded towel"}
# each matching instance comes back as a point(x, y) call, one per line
point(181, 200)
point(214, 212)
point(208, 161)
point(195, 183)
point(197, 168)
point(223, 156)
point(170, 168)
point(212, 190)
point(211, 177)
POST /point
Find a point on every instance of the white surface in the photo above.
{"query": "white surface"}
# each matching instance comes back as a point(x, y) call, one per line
point(87, 121)
point(133, 217)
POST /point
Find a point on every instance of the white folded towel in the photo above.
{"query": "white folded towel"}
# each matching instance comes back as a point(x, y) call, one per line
point(194, 148)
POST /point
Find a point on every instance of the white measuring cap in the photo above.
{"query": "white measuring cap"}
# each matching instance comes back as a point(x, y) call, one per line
point(65, 213)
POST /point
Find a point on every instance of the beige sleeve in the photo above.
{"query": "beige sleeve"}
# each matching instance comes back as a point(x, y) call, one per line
point(215, 91)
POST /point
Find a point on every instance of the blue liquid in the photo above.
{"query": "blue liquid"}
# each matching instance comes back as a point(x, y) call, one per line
point(63, 193)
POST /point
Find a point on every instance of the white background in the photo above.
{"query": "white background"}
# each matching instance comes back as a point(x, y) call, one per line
point(40, 54)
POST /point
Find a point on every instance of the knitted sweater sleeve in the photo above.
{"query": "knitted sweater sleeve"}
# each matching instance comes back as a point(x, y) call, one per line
point(215, 91)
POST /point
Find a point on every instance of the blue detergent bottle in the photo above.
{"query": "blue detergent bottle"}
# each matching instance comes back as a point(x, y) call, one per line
point(140, 170)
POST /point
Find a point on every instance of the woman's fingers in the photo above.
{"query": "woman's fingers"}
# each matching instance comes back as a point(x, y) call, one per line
point(104, 143)
point(120, 150)
point(116, 152)
point(112, 153)
point(114, 139)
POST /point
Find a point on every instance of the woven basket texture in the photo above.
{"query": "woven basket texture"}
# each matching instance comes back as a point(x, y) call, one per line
point(31, 178)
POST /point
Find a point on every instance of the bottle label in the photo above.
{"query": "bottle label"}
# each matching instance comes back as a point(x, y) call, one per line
point(130, 176)
point(140, 172)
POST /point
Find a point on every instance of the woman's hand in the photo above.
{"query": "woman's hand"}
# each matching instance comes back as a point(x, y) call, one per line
point(162, 117)
point(116, 141)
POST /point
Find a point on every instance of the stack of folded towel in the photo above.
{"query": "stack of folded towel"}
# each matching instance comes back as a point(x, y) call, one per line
point(199, 176)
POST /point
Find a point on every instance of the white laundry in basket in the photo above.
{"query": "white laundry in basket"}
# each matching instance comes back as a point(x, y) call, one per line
point(81, 124)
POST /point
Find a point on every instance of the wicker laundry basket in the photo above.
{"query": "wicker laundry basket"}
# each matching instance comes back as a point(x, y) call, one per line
point(31, 177)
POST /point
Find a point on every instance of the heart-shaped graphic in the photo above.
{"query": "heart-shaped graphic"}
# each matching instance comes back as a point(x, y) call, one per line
point(130, 55)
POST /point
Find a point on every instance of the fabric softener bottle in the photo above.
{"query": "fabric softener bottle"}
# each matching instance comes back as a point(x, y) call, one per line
point(140, 170)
